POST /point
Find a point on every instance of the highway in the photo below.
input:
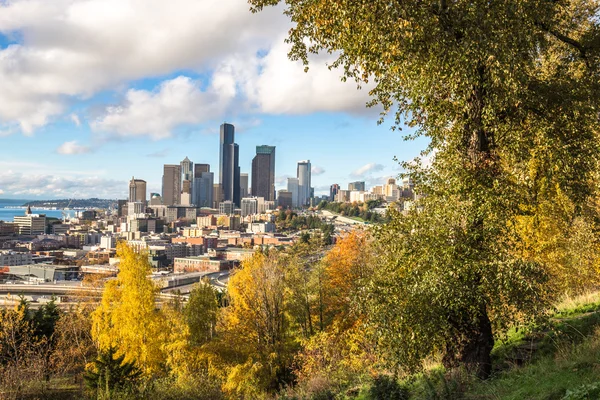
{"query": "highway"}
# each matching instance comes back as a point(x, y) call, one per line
point(217, 279)
point(340, 218)
point(33, 292)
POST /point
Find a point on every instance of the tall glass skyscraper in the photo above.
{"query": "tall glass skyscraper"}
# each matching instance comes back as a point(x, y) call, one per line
point(304, 175)
point(171, 185)
point(229, 164)
point(263, 173)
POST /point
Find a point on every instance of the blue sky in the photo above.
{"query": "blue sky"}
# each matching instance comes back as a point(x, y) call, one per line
point(93, 92)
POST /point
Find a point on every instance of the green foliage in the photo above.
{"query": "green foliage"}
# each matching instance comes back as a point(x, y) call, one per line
point(584, 392)
point(110, 372)
point(201, 313)
point(507, 94)
point(385, 387)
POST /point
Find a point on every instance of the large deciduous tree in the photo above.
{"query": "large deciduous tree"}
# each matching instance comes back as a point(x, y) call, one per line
point(507, 92)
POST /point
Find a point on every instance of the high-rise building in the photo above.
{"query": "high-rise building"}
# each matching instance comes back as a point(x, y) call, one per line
point(229, 164)
point(137, 190)
point(333, 190)
point(303, 174)
point(293, 188)
point(187, 169)
point(263, 173)
point(244, 191)
point(187, 181)
point(217, 195)
point(249, 206)
point(227, 207)
point(203, 187)
point(171, 185)
point(284, 199)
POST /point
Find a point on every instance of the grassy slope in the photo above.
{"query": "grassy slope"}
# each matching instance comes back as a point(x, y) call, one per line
point(565, 354)
point(543, 363)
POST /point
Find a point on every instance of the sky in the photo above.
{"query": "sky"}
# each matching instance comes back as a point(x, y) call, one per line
point(93, 92)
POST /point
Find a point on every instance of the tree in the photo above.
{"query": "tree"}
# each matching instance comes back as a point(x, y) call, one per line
point(255, 339)
point(507, 94)
point(201, 313)
point(127, 318)
point(110, 372)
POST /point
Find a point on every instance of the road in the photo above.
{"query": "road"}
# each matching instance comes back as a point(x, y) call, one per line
point(217, 279)
point(340, 218)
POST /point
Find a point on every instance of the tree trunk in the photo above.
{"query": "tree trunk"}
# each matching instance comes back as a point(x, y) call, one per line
point(475, 353)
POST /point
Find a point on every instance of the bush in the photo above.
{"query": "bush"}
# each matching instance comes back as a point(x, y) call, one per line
point(387, 388)
point(584, 392)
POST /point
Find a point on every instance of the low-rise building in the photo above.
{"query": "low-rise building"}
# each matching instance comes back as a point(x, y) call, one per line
point(11, 258)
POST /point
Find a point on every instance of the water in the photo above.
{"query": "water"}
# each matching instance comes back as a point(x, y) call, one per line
point(8, 210)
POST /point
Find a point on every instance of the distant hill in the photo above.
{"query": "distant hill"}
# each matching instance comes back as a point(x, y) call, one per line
point(72, 203)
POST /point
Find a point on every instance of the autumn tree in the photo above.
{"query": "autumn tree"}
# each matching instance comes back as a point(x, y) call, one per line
point(255, 338)
point(506, 92)
point(201, 313)
point(127, 318)
point(340, 350)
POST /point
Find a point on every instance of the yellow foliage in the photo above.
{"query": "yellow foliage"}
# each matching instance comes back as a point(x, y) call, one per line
point(564, 242)
point(127, 317)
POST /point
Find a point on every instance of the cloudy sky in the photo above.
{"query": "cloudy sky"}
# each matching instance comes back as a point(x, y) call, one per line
point(93, 92)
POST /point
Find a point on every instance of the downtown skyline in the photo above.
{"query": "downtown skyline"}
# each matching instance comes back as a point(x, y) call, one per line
point(82, 129)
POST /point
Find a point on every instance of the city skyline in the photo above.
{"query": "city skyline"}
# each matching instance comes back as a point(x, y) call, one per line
point(79, 129)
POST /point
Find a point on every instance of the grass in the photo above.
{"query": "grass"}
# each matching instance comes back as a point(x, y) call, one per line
point(542, 362)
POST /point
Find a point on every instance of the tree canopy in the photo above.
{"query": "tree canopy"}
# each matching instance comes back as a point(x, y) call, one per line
point(507, 92)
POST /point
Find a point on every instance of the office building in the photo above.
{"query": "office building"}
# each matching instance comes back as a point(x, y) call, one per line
point(187, 177)
point(31, 224)
point(304, 182)
point(293, 188)
point(171, 185)
point(155, 199)
point(137, 191)
point(244, 190)
point(333, 191)
point(229, 164)
point(356, 186)
point(217, 195)
point(227, 207)
point(203, 187)
point(187, 169)
point(263, 173)
point(249, 206)
point(284, 199)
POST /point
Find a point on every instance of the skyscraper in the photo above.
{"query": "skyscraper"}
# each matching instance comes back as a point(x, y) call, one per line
point(202, 189)
point(187, 181)
point(333, 191)
point(137, 190)
point(187, 169)
point(229, 164)
point(292, 187)
point(303, 174)
point(171, 185)
point(263, 172)
point(244, 191)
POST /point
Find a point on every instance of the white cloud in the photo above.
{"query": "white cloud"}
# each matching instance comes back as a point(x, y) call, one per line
point(72, 147)
point(69, 50)
point(316, 170)
point(75, 118)
point(1, 191)
point(175, 102)
point(16, 183)
point(366, 170)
